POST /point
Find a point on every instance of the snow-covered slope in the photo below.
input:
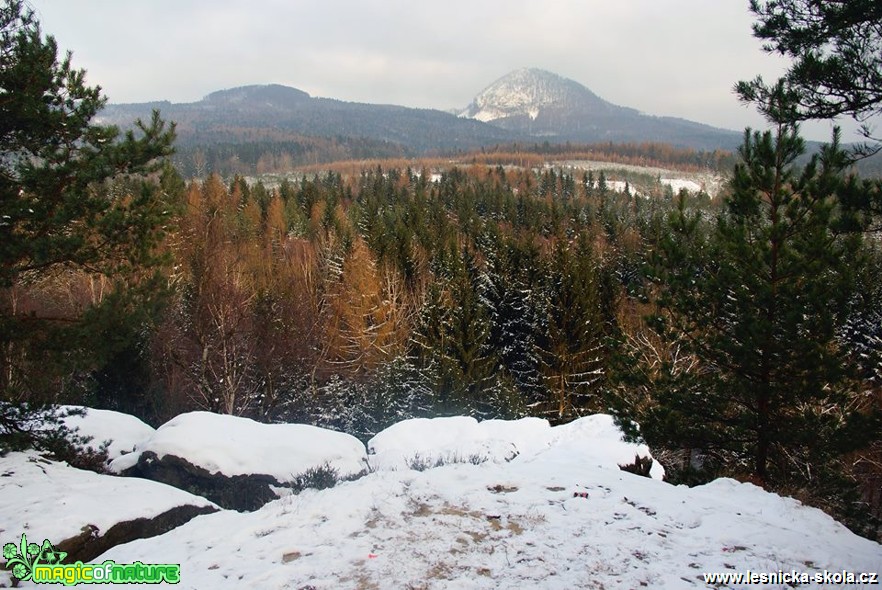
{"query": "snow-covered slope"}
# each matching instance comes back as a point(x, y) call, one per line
point(553, 521)
point(560, 514)
point(527, 92)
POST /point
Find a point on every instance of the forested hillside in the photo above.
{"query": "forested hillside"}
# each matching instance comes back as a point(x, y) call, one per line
point(487, 291)
point(355, 301)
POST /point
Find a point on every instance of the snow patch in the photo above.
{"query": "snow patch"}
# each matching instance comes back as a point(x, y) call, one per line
point(619, 186)
point(124, 432)
point(463, 439)
point(678, 184)
point(485, 115)
point(51, 500)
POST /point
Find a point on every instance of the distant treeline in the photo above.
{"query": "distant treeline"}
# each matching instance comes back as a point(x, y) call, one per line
point(257, 154)
point(253, 157)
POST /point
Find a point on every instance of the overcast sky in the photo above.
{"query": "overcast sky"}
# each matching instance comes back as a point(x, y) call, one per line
point(663, 57)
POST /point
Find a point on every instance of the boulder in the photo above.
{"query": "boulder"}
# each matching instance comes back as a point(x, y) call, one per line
point(241, 464)
point(244, 492)
point(86, 513)
point(118, 433)
point(92, 542)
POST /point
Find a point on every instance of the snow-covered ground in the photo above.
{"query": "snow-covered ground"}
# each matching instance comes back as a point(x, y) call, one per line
point(693, 182)
point(50, 500)
point(559, 514)
point(509, 525)
point(678, 184)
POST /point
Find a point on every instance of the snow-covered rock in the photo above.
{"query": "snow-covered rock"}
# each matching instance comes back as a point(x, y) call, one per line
point(232, 445)
point(598, 441)
point(238, 462)
point(82, 512)
point(122, 431)
point(425, 442)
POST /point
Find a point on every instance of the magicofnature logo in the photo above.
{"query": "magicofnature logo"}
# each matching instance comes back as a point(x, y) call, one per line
point(44, 564)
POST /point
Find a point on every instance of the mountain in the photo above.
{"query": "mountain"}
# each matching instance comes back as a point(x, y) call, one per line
point(531, 92)
point(279, 112)
point(272, 96)
point(543, 104)
point(526, 106)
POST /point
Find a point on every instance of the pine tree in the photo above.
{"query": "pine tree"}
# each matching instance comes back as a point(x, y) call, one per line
point(835, 48)
point(57, 209)
point(757, 300)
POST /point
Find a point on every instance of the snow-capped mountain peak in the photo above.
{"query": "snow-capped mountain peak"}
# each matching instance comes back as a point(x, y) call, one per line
point(527, 93)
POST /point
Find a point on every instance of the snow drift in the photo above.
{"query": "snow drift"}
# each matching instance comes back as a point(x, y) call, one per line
point(548, 508)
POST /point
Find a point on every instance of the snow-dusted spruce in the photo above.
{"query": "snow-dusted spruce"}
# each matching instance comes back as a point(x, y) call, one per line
point(237, 462)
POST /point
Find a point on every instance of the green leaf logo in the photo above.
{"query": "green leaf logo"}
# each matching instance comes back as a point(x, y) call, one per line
point(23, 558)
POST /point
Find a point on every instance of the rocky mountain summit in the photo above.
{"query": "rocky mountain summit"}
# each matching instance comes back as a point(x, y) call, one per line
point(528, 92)
point(543, 104)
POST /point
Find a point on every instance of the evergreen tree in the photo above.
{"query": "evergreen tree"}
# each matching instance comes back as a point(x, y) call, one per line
point(861, 334)
point(835, 47)
point(513, 322)
point(602, 185)
point(60, 212)
point(757, 301)
point(468, 331)
point(570, 329)
point(452, 338)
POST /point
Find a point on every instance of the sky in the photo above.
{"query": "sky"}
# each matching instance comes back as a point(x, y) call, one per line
point(663, 57)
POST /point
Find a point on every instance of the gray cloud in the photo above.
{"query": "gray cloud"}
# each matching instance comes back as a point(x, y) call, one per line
point(676, 57)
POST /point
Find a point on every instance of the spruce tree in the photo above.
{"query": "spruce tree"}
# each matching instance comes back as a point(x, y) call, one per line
point(570, 331)
point(513, 321)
